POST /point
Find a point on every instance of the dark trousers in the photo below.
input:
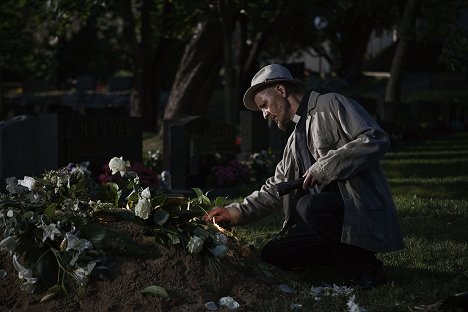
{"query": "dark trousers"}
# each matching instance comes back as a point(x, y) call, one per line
point(313, 236)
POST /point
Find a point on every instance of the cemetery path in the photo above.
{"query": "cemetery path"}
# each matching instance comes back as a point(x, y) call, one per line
point(190, 280)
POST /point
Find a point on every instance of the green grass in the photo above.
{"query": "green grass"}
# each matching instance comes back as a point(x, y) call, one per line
point(429, 181)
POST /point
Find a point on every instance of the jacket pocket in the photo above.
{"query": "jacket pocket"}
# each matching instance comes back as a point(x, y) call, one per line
point(326, 139)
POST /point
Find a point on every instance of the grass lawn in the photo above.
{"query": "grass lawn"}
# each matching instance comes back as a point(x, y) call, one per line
point(429, 181)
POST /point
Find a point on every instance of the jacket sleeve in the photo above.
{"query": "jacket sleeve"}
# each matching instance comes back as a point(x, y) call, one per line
point(361, 141)
point(265, 201)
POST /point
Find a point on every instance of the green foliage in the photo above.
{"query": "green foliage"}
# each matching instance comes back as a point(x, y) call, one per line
point(58, 226)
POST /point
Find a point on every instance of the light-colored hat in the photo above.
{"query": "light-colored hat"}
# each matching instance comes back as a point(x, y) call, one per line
point(269, 74)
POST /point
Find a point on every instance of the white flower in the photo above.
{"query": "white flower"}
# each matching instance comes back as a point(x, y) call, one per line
point(286, 289)
point(27, 182)
point(195, 245)
point(10, 213)
point(143, 208)
point(229, 302)
point(353, 306)
point(49, 231)
point(81, 274)
point(13, 187)
point(146, 193)
point(24, 274)
point(76, 243)
point(221, 238)
point(118, 165)
point(211, 306)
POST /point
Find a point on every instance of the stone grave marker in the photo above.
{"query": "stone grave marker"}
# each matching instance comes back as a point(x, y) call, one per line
point(188, 145)
point(253, 133)
point(18, 147)
point(49, 141)
point(119, 83)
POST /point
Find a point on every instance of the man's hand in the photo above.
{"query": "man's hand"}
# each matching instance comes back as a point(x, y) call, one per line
point(218, 215)
point(310, 180)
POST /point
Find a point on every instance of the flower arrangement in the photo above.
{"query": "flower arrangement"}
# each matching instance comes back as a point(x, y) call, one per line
point(231, 174)
point(54, 226)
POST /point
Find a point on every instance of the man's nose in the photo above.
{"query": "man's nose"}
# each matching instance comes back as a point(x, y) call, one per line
point(266, 113)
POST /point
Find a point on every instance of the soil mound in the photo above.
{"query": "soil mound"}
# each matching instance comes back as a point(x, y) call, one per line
point(190, 281)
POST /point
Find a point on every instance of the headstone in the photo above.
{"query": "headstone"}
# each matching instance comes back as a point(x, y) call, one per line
point(253, 133)
point(95, 138)
point(190, 143)
point(32, 86)
point(85, 83)
point(18, 146)
point(119, 83)
point(30, 145)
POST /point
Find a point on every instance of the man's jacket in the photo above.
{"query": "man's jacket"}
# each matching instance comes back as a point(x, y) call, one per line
point(348, 145)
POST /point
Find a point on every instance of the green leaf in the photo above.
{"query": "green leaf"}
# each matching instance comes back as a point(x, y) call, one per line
point(160, 216)
point(50, 211)
point(203, 234)
point(205, 200)
point(198, 192)
point(110, 192)
point(174, 238)
point(48, 297)
point(219, 201)
point(47, 268)
point(156, 291)
point(158, 200)
point(133, 196)
point(28, 216)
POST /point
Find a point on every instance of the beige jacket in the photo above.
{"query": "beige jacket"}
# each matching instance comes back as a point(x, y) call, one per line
point(348, 145)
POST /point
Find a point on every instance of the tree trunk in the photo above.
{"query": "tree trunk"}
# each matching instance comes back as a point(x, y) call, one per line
point(353, 51)
point(393, 89)
point(149, 96)
point(197, 74)
point(355, 35)
point(230, 95)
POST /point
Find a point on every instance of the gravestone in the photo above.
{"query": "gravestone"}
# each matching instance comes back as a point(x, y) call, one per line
point(85, 83)
point(30, 145)
point(18, 146)
point(119, 84)
point(253, 133)
point(189, 144)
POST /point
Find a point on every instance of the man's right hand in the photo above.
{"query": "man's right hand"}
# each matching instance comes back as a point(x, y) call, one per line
point(218, 215)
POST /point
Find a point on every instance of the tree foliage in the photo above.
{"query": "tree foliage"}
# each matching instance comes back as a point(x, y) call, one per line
point(146, 38)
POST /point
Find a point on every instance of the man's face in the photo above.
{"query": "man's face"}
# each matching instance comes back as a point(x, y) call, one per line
point(274, 105)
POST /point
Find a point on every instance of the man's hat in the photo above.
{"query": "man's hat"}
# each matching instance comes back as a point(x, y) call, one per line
point(269, 74)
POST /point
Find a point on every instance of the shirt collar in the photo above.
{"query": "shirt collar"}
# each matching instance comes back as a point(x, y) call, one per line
point(296, 118)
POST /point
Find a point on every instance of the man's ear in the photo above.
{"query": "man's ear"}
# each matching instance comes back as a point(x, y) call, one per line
point(281, 90)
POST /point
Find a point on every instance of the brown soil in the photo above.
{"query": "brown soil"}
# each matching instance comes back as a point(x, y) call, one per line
point(190, 280)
